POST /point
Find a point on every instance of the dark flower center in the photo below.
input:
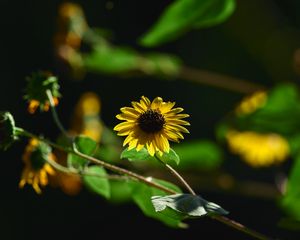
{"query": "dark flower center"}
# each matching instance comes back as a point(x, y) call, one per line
point(151, 121)
point(37, 159)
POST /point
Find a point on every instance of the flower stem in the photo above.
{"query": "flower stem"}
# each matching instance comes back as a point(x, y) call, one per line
point(177, 175)
point(218, 80)
point(54, 114)
point(96, 161)
point(222, 219)
point(148, 181)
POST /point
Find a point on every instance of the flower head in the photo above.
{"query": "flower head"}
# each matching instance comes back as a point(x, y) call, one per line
point(86, 119)
point(7, 130)
point(151, 124)
point(36, 168)
point(38, 84)
point(258, 149)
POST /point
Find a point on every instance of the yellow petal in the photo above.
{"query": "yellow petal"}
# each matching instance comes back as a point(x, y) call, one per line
point(124, 126)
point(132, 144)
point(165, 107)
point(176, 116)
point(127, 117)
point(179, 122)
point(150, 148)
point(139, 107)
point(127, 140)
point(156, 103)
point(175, 111)
point(129, 110)
point(176, 128)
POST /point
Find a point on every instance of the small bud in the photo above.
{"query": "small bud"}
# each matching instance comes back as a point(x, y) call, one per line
point(7, 130)
point(38, 84)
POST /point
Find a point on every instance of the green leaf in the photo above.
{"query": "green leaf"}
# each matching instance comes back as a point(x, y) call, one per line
point(98, 183)
point(111, 60)
point(120, 191)
point(184, 15)
point(133, 155)
point(219, 11)
point(84, 145)
point(291, 199)
point(187, 205)
point(282, 102)
point(199, 155)
point(169, 157)
point(161, 64)
point(142, 193)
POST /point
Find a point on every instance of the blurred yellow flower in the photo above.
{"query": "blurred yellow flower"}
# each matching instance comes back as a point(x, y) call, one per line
point(71, 24)
point(36, 168)
point(151, 124)
point(258, 149)
point(251, 103)
point(86, 117)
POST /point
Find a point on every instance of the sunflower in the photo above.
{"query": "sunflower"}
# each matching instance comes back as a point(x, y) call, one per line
point(151, 124)
point(36, 168)
point(258, 149)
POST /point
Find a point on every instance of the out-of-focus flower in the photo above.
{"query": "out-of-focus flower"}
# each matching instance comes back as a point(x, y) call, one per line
point(258, 149)
point(69, 183)
point(86, 117)
point(36, 168)
point(151, 124)
point(37, 85)
point(7, 130)
point(72, 26)
point(86, 121)
point(252, 103)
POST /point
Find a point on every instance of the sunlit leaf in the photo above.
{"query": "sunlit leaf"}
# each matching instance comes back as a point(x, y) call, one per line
point(170, 157)
point(199, 155)
point(134, 155)
point(96, 180)
point(184, 15)
point(84, 145)
point(111, 60)
point(187, 205)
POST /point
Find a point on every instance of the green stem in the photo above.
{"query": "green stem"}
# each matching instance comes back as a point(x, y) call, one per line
point(177, 175)
point(54, 114)
point(147, 181)
point(96, 161)
point(222, 219)
point(218, 80)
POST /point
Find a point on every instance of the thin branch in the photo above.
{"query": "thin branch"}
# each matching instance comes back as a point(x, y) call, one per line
point(177, 175)
point(219, 80)
point(55, 116)
point(222, 219)
point(240, 227)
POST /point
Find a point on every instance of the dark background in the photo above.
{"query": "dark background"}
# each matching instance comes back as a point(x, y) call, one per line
point(257, 44)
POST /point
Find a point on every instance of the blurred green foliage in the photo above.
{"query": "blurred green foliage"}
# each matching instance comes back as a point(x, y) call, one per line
point(184, 15)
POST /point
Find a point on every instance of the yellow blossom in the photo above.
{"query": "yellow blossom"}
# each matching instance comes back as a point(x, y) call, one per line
point(151, 125)
point(258, 149)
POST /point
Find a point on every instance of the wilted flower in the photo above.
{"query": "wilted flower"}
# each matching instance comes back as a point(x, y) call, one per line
point(38, 84)
point(36, 168)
